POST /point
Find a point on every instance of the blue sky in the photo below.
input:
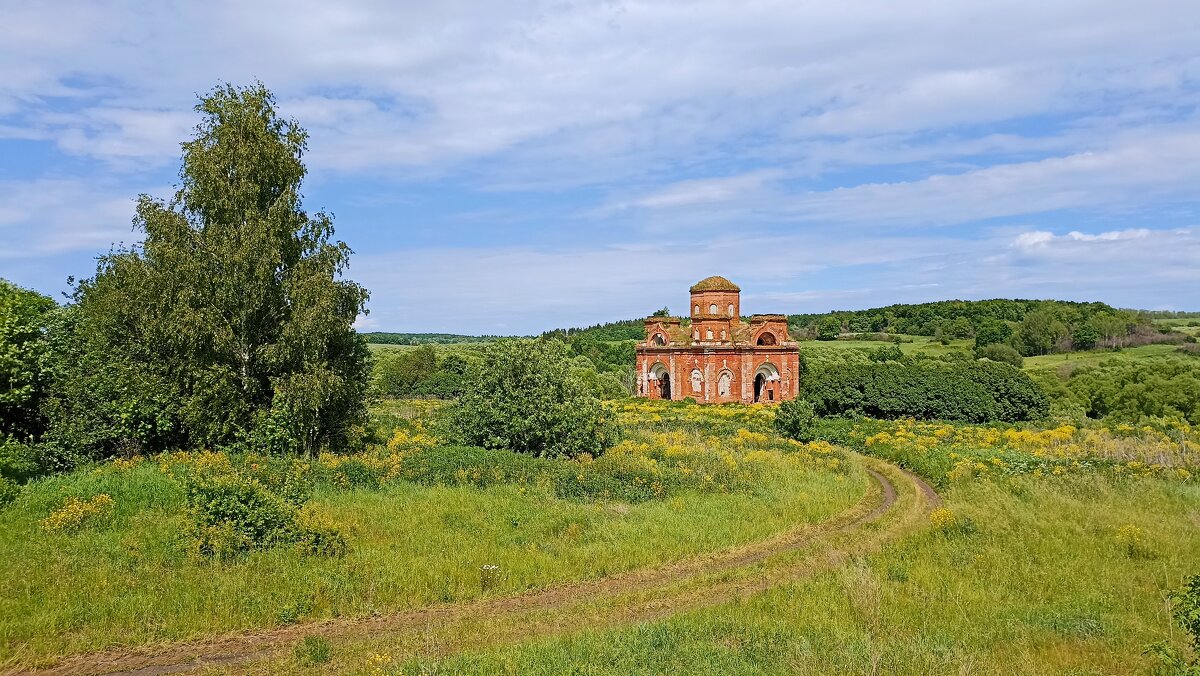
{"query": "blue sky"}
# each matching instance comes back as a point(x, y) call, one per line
point(514, 167)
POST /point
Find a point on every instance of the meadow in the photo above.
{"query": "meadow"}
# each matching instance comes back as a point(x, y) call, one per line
point(1054, 552)
point(107, 556)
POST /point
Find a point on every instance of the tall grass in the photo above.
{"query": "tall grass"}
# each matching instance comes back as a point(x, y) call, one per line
point(1042, 582)
point(128, 578)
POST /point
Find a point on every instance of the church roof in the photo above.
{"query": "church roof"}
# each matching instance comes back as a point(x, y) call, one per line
point(714, 283)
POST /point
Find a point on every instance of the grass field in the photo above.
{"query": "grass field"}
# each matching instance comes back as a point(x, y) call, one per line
point(1054, 553)
point(1040, 583)
point(127, 577)
point(1052, 361)
point(1029, 570)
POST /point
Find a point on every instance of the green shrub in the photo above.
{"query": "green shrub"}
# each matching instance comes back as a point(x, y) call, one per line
point(9, 490)
point(17, 460)
point(233, 514)
point(970, 391)
point(522, 396)
point(1186, 608)
point(317, 535)
point(313, 650)
point(795, 419)
point(1000, 352)
point(1121, 390)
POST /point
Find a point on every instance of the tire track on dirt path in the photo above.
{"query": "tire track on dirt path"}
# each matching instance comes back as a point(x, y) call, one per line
point(637, 595)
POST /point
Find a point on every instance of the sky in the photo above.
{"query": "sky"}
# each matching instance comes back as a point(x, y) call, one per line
point(512, 167)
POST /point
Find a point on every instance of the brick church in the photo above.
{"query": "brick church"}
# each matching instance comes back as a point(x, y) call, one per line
point(715, 356)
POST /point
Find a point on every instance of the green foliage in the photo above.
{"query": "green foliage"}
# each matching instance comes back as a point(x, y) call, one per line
point(522, 396)
point(18, 461)
point(1128, 391)
point(959, 327)
point(929, 389)
point(926, 318)
point(313, 650)
point(1000, 352)
point(889, 353)
point(991, 332)
point(406, 374)
point(24, 315)
point(628, 329)
point(1040, 333)
point(1186, 609)
point(384, 338)
point(829, 328)
point(1084, 337)
point(795, 419)
point(231, 323)
point(9, 490)
point(234, 514)
point(234, 511)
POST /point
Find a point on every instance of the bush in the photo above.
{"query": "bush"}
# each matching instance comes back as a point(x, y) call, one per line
point(317, 535)
point(795, 419)
point(1186, 603)
point(9, 491)
point(522, 396)
point(17, 460)
point(1121, 390)
point(889, 353)
point(313, 650)
point(970, 391)
point(233, 514)
point(999, 352)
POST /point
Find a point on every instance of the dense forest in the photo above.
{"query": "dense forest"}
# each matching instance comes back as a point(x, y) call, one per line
point(1029, 327)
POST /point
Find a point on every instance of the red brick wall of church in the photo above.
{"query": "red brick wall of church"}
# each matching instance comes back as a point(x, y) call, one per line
point(722, 299)
point(741, 364)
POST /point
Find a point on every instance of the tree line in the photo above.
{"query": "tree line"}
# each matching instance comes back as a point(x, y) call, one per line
point(1029, 327)
point(388, 338)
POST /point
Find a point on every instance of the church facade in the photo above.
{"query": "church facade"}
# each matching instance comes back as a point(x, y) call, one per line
point(716, 357)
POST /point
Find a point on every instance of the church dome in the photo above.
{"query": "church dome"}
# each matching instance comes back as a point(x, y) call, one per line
point(714, 283)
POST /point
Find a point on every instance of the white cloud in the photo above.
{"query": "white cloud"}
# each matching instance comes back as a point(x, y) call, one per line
point(51, 216)
point(563, 78)
point(1040, 239)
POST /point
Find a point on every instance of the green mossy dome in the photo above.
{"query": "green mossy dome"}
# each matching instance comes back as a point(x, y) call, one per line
point(714, 283)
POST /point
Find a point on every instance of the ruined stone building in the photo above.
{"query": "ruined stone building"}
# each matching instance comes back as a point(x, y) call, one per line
point(714, 356)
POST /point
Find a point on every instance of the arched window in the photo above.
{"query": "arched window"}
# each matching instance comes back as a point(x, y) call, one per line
point(712, 309)
point(696, 334)
point(708, 334)
point(722, 334)
point(731, 309)
point(697, 380)
point(723, 383)
point(767, 338)
point(696, 310)
point(659, 339)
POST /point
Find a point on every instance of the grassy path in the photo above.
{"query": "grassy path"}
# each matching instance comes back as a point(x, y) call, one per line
point(895, 505)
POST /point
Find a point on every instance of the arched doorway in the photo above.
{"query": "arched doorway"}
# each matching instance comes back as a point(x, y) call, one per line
point(660, 382)
point(766, 383)
point(767, 338)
